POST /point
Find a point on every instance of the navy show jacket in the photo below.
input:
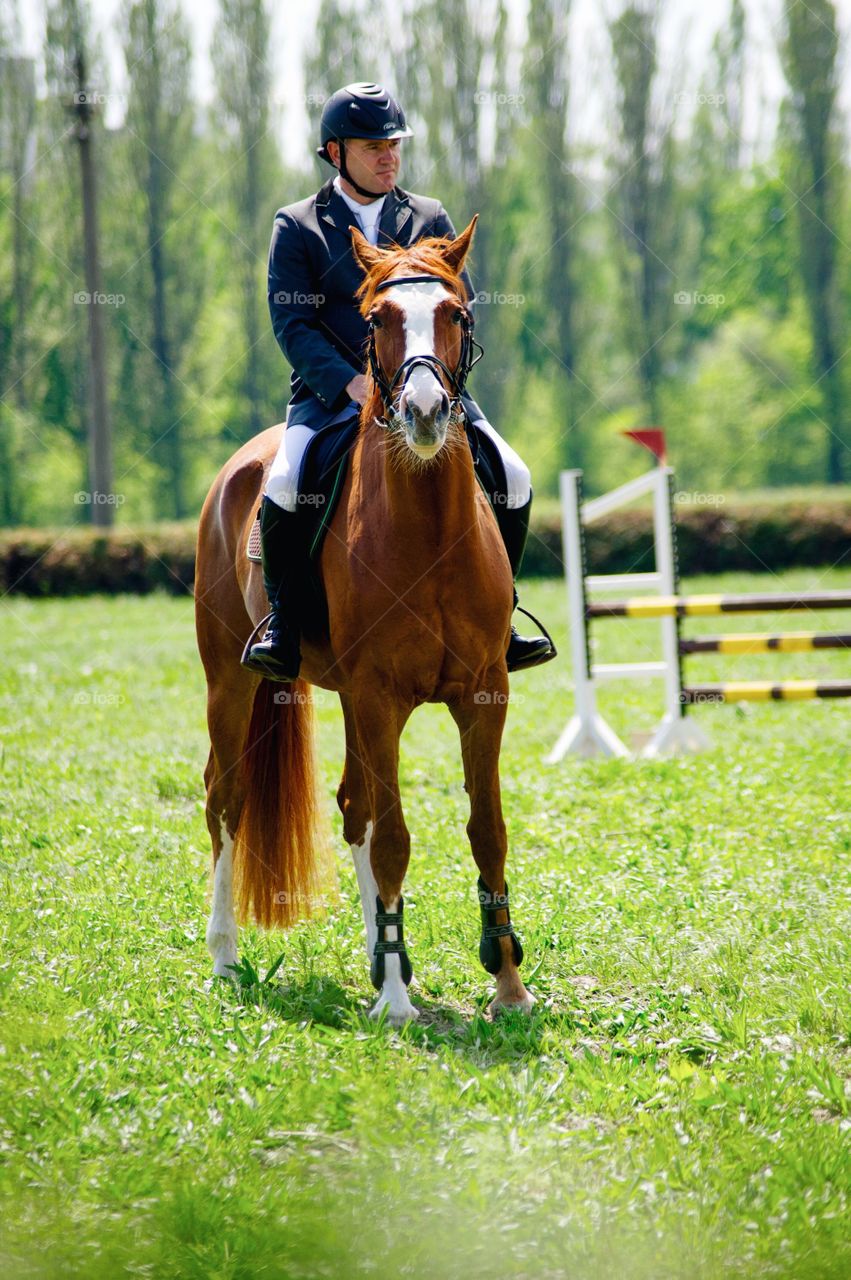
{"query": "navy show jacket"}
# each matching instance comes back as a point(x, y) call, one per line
point(313, 277)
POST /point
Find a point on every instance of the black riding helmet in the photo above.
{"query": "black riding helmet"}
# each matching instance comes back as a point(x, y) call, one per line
point(360, 110)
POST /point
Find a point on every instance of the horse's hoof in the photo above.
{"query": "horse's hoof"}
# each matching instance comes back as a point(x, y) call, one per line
point(512, 1004)
point(399, 1010)
point(222, 962)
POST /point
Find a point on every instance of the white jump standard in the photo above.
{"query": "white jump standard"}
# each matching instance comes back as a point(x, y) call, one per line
point(587, 733)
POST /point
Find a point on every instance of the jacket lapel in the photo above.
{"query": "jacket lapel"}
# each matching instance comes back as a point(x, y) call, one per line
point(333, 210)
point(394, 225)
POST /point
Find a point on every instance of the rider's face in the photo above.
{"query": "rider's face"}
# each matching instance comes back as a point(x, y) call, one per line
point(373, 163)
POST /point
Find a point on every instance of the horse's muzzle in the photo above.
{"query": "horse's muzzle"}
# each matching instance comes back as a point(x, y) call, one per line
point(426, 433)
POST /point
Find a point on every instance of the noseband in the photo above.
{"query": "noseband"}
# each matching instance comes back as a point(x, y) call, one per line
point(471, 353)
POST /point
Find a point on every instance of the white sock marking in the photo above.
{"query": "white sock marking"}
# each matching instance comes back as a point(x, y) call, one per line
point(393, 991)
point(221, 927)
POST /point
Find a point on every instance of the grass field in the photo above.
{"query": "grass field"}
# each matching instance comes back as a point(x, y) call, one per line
point(678, 1105)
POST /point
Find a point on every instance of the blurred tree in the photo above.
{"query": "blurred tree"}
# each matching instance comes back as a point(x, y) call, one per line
point(729, 51)
point(159, 127)
point(339, 54)
point(17, 135)
point(467, 111)
point(68, 59)
point(809, 51)
point(750, 256)
point(240, 54)
point(643, 196)
point(546, 81)
point(17, 152)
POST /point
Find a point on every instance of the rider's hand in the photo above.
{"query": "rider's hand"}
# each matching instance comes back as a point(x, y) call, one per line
point(357, 388)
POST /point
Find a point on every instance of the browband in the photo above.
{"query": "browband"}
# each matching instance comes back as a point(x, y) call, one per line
point(387, 284)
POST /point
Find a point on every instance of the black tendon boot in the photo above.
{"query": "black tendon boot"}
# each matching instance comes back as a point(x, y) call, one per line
point(278, 656)
point(523, 651)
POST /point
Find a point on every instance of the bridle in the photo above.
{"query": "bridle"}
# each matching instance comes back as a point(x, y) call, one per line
point(457, 377)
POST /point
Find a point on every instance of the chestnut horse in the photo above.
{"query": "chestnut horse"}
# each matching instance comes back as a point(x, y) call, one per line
point(419, 594)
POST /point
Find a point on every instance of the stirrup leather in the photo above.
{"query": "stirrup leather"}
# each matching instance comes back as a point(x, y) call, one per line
point(490, 952)
point(383, 947)
point(538, 623)
point(254, 634)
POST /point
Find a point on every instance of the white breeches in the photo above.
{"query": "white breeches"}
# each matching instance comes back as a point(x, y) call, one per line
point(282, 484)
point(518, 478)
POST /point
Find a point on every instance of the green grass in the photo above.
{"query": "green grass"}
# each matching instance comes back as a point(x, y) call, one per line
point(678, 1105)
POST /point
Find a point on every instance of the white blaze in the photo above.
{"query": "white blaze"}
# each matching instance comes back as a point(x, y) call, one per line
point(417, 303)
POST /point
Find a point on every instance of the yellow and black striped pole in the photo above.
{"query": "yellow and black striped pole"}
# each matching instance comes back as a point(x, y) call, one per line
point(765, 691)
point(703, 606)
point(760, 642)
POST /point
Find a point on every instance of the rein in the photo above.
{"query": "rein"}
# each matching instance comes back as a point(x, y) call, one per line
point(471, 352)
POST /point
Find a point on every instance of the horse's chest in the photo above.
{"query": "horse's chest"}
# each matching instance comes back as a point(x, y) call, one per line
point(412, 622)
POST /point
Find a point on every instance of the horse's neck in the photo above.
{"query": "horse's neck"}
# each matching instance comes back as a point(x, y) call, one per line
point(436, 502)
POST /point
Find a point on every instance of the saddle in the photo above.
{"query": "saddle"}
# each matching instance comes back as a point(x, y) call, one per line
point(320, 483)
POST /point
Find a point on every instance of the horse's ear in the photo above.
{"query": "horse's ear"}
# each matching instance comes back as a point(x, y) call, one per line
point(457, 251)
point(365, 253)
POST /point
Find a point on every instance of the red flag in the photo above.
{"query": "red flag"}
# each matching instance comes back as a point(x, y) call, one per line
point(653, 438)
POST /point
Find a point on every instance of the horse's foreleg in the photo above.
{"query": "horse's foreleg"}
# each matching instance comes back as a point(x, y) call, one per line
point(480, 719)
point(353, 802)
point(221, 933)
point(228, 713)
point(381, 854)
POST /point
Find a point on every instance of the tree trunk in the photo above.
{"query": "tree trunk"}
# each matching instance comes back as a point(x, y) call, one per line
point(100, 436)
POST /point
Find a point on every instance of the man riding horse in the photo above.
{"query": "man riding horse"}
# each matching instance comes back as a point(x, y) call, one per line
point(313, 277)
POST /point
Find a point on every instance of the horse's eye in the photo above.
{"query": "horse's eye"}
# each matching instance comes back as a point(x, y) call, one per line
point(375, 322)
point(457, 317)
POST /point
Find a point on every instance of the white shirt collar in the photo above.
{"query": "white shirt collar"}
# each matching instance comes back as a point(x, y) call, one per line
point(368, 213)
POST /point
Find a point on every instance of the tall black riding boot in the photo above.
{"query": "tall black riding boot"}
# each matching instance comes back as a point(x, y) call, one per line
point(278, 656)
point(523, 651)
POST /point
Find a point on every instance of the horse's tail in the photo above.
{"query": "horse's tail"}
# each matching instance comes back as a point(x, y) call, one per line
point(280, 849)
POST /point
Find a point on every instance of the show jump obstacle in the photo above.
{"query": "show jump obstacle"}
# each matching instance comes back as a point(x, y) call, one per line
point(587, 733)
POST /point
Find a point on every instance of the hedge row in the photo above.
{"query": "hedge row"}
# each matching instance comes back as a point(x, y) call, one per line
point(42, 562)
point(721, 539)
point(38, 562)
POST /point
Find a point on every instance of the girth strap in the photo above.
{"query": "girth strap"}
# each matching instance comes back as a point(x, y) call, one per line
point(490, 952)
